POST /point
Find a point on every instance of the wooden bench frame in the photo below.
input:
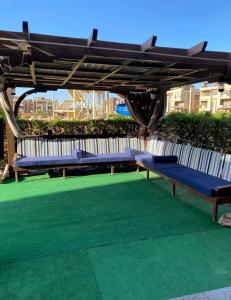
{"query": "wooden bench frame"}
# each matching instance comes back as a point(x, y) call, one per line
point(215, 201)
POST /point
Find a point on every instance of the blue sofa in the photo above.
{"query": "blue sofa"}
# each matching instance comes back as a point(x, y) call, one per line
point(77, 158)
point(211, 188)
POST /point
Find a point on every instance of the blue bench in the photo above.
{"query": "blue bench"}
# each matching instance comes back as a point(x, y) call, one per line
point(213, 189)
point(77, 158)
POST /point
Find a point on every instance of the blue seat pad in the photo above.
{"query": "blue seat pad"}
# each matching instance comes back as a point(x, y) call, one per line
point(197, 180)
point(143, 156)
point(45, 161)
point(103, 158)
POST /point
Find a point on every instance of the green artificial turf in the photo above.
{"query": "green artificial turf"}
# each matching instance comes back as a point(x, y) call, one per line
point(107, 237)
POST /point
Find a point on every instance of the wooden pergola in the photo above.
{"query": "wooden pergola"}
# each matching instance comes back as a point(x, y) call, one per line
point(45, 62)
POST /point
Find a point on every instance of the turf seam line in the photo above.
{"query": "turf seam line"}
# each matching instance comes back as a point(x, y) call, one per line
point(99, 295)
point(17, 260)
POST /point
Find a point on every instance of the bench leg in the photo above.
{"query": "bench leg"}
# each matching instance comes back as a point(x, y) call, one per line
point(214, 212)
point(64, 173)
point(16, 175)
point(147, 174)
point(173, 189)
point(112, 170)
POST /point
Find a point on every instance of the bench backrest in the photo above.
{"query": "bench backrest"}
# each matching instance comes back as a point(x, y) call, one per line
point(31, 147)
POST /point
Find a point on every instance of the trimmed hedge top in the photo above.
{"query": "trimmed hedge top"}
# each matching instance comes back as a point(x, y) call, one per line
point(199, 129)
point(110, 127)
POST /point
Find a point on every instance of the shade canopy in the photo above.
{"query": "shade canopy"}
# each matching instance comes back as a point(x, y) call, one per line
point(53, 62)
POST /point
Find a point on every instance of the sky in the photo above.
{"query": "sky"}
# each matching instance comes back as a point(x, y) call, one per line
point(177, 23)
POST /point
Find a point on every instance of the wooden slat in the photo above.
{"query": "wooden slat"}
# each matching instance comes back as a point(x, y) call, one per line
point(32, 71)
point(110, 74)
point(73, 71)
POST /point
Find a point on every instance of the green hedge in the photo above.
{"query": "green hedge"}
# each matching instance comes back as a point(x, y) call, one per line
point(199, 129)
point(211, 131)
point(109, 127)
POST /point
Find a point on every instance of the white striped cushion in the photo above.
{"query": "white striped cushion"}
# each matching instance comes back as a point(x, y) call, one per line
point(204, 162)
point(177, 148)
point(168, 149)
point(216, 164)
point(102, 146)
point(194, 158)
point(226, 172)
point(137, 144)
point(53, 150)
point(159, 147)
point(151, 144)
point(91, 146)
point(185, 154)
point(122, 143)
point(25, 147)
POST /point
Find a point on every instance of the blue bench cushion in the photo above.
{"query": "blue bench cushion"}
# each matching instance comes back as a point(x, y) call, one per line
point(77, 153)
point(201, 182)
point(142, 156)
point(164, 159)
point(130, 151)
point(103, 158)
point(71, 159)
point(147, 156)
point(45, 161)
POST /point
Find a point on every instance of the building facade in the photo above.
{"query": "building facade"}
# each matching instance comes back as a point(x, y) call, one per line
point(36, 105)
point(185, 98)
point(213, 100)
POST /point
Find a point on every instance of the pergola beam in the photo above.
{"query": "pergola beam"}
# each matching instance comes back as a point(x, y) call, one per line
point(36, 60)
point(93, 37)
point(149, 44)
point(25, 30)
point(197, 49)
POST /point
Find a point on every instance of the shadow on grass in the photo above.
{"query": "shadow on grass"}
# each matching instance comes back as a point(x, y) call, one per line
point(93, 211)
